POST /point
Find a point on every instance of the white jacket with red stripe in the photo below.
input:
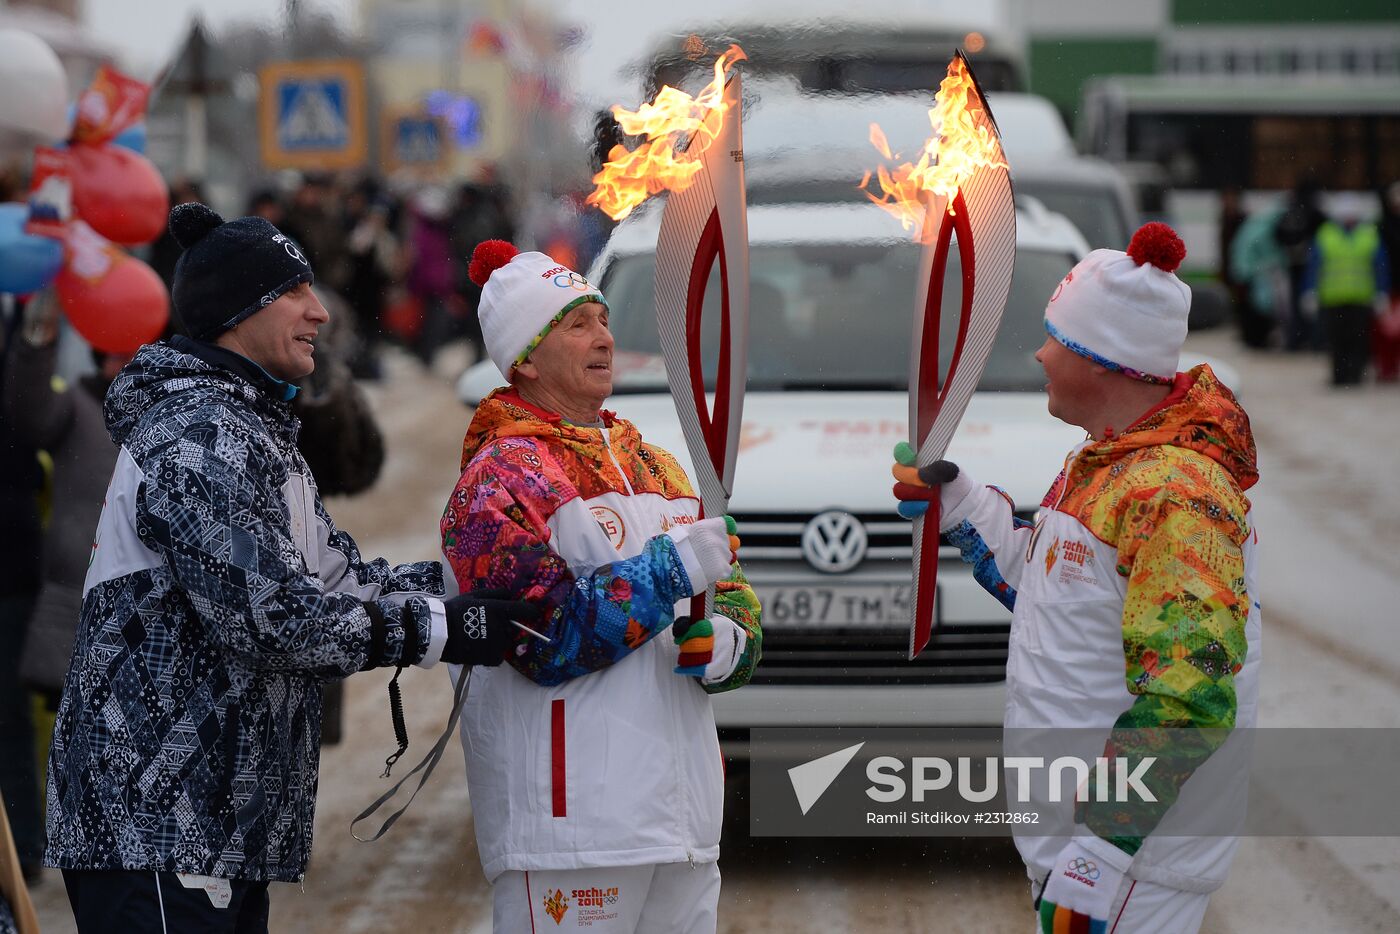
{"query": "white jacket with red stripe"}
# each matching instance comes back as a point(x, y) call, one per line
point(1135, 613)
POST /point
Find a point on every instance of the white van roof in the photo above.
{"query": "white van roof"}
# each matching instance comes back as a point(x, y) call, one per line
point(1036, 228)
point(780, 119)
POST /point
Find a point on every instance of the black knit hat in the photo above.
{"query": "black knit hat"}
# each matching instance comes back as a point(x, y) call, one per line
point(229, 270)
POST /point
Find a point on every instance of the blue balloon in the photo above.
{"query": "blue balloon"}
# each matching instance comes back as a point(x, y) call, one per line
point(27, 263)
point(133, 138)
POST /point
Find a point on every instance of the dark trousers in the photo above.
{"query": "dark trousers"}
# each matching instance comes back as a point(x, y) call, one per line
point(146, 902)
point(1386, 350)
point(1300, 332)
point(1349, 334)
point(19, 781)
point(1255, 326)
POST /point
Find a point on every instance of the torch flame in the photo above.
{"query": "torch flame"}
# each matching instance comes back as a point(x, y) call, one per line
point(877, 139)
point(678, 129)
point(960, 145)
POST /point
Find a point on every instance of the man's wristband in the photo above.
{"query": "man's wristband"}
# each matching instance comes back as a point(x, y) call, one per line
point(411, 649)
point(378, 635)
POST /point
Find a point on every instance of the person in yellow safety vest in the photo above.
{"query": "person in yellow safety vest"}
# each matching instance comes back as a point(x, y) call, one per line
point(1348, 281)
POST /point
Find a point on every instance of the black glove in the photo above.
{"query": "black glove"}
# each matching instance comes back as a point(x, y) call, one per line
point(915, 486)
point(479, 628)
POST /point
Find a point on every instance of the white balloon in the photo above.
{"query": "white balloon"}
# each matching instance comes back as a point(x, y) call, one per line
point(34, 109)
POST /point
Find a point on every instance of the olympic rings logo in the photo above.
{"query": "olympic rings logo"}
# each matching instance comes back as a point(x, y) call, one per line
point(1084, 867)
point(290, 247)
point(572, 281)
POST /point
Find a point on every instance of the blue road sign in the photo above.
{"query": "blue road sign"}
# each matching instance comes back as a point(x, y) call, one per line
point(417, 140)
point(312, 114)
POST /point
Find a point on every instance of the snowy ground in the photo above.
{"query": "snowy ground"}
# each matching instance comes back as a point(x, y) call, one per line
point(1329, 514)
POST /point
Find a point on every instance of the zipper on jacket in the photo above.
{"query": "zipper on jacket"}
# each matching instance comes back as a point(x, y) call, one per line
point(682, 783)
point(1064, 489)
point(685, 804)
point(607, 443)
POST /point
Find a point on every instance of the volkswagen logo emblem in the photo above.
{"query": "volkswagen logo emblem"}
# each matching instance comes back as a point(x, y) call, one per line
point(834, 542)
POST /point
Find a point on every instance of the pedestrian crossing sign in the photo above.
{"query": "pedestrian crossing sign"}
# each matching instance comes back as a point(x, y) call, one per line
point(411, 139)
point(311, 114)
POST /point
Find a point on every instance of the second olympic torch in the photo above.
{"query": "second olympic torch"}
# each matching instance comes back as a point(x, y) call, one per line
point(959, 195)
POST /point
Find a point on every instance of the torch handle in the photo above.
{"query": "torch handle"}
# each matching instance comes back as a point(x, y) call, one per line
point(926, 578)
point(702, 605)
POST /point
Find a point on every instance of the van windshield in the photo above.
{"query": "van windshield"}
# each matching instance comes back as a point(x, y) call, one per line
point(1093, 209)
point(834, 316)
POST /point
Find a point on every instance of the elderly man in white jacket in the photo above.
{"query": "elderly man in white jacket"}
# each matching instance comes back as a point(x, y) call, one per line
point(593, 761)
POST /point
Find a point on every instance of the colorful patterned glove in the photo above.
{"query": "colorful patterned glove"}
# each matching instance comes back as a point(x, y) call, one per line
point(1082, 884)
point(915, 487)
point(696, 640)
point(710, 649)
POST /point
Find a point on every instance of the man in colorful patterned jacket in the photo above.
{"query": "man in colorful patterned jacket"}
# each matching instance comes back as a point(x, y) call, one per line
point(1135, 616)
point(220, 596)
point(592, 759)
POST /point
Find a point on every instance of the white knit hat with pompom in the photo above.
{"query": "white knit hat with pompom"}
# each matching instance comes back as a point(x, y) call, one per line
point(1126, 311)
point(523, 295)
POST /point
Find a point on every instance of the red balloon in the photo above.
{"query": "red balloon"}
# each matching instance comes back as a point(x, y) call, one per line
point(121, 311)
point(119, 193)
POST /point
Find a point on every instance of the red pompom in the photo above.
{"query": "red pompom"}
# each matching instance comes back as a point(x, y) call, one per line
point(1158, 244)
point(489, 256)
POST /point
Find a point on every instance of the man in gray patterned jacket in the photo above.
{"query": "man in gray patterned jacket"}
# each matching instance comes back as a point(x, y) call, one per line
point(182, 777)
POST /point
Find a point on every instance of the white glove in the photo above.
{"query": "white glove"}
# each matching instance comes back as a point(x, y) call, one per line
point(1082, 884)
point(730, 639)
point(706, 551)
point(710, 648)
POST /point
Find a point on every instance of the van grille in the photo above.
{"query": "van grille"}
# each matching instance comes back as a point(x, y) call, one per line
point(778, 536)
point(955, 655)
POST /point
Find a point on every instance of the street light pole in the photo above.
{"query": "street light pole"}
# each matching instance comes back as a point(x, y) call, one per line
point(292, 15)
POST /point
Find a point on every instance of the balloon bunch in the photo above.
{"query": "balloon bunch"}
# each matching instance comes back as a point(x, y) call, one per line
point(89, 193)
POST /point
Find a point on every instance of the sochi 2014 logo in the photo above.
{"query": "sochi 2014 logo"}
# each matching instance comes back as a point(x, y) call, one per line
point(290, 247)
point(565, 278)
point(556, 904)
point(474, 622)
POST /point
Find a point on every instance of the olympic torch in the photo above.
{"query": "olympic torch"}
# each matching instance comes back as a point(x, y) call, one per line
point(695, 150)
point(957, 195)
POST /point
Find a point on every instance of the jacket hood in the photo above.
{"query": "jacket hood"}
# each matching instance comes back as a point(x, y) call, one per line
point(160, 371)
point(503, 414)
point(1201, 414)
